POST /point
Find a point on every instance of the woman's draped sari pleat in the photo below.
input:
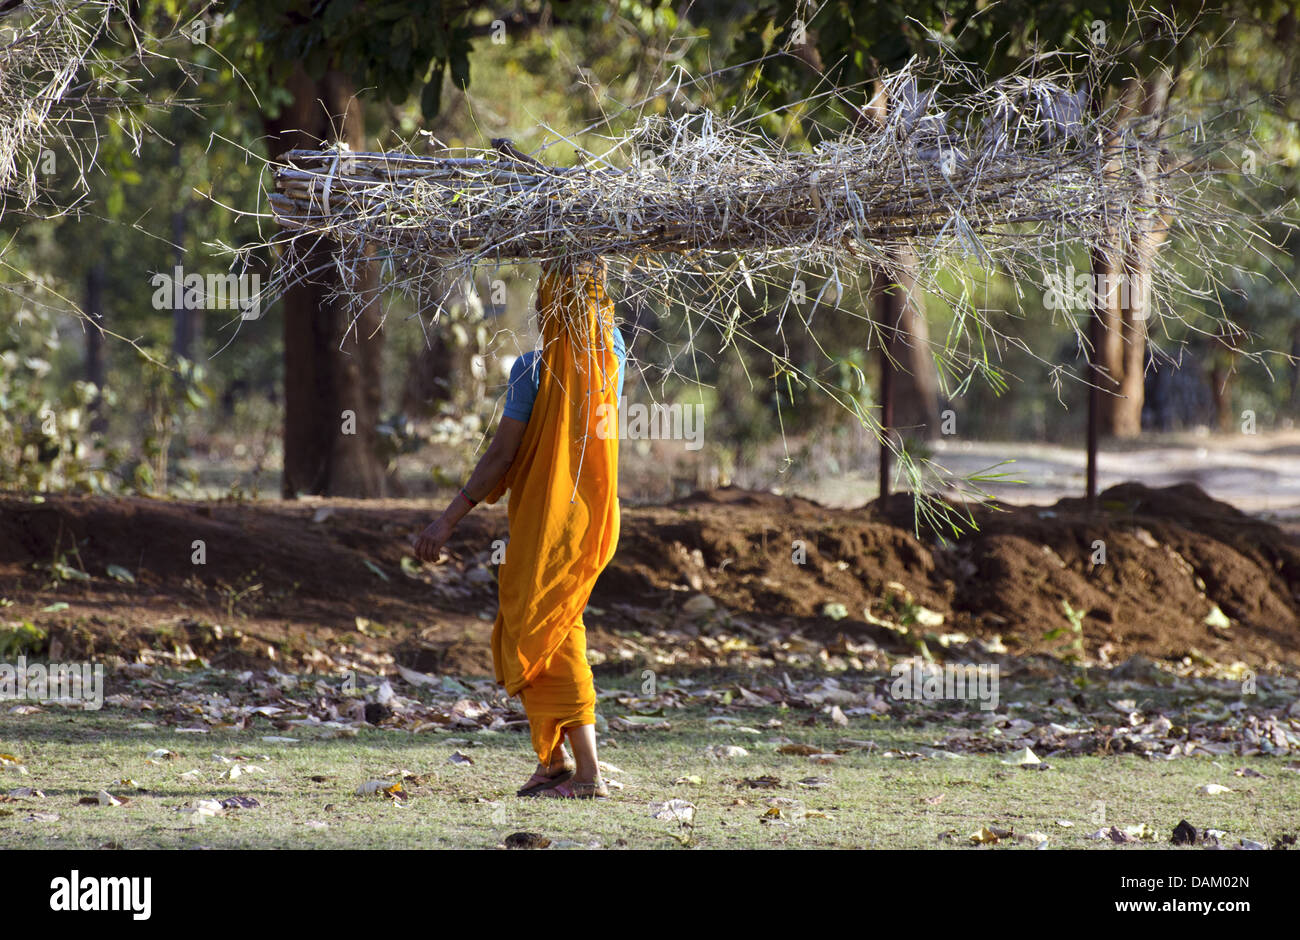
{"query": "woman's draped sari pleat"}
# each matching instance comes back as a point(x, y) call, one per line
point(563, 509)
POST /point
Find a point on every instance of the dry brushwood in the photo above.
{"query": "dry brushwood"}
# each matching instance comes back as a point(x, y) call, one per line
point(705, 217)
point(1024, 161)
point(696, 210)
point(44, 48)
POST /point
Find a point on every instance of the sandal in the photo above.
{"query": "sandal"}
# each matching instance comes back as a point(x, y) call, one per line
point(541, 780)
point(573, 790)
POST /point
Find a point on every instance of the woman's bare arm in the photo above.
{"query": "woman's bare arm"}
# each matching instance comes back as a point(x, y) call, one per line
point(492, 466)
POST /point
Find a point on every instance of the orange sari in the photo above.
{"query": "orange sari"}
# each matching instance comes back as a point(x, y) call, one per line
point(563, 510)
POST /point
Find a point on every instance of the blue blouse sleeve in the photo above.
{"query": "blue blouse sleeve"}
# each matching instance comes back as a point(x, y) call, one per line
point(524, 380)
point(620, 350)
point(522, 391)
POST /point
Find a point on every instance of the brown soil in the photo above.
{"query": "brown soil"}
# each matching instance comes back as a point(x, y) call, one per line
point(282, 579)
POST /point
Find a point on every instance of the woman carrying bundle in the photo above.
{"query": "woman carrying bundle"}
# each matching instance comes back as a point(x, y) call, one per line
point(562, 474)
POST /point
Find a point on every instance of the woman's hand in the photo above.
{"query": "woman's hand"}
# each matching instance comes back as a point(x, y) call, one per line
point(428, 544)
point(491, 467)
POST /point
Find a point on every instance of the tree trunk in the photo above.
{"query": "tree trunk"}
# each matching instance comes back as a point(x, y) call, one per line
point(1108, 335)
point(449, 369)
point(1123, 269)
point(1223, 371)
point(428, 378)
point(909, 382)
point(915, 378)
point(332, 394)
point(884, 308)
point(1221, 389)
point(95, 370)
point(1295, 366)
point(185, 319)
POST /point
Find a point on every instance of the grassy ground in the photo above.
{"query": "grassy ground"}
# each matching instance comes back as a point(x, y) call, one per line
point(862, 799)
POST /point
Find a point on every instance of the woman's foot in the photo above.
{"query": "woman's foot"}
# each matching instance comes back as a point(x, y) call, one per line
point(578, 790)
point(560, 770)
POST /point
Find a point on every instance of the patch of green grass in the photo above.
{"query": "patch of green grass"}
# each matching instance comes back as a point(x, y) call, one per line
point(21, 638)
point(869, 800)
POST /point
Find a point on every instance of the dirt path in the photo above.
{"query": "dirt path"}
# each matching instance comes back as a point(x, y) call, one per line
point(1257, 473)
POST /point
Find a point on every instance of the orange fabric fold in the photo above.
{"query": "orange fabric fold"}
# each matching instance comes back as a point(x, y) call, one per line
point(563, 509)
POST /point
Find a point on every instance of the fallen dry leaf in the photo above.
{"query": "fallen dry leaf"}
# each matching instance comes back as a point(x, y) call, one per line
point(1113, 833)
point(102, 798)
point(815, 783)
point(382, 788)
point(802, 750)
point(1022, 758)
point(1142, 832)
point(240, 802)
point(526, 840)
point(674, 810)
point(1184, 833)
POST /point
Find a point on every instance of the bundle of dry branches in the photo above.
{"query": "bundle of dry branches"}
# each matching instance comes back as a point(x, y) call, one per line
point(707, 219)
point(1019, 159)
point(44, 48)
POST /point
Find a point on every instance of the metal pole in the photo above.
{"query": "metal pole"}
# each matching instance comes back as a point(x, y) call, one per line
point(1096, 336)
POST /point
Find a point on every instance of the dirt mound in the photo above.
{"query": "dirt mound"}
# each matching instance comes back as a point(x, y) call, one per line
point(1148, 571)
point(1170, 557)
point(287, 576)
